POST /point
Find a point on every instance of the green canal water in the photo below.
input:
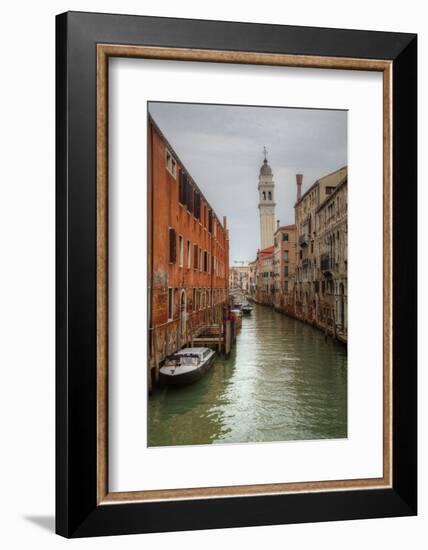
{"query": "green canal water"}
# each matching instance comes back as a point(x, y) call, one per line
point(283, 381)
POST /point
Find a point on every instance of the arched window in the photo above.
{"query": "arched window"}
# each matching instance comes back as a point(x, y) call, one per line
point(270, 196)
point(264, 195)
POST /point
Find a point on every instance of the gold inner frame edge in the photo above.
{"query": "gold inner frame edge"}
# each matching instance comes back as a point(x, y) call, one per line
point(104, 51)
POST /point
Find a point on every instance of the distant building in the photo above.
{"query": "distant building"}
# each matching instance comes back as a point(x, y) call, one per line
point(188, 253)
point(284, 267)
point(239, 276)
point(266, 205)
point(265, 289)
point(252, 278)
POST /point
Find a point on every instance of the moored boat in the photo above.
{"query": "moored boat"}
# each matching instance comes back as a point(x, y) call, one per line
point(186, 366)
point(246, 309)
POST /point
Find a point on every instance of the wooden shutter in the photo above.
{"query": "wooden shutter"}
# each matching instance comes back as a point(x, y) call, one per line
point(172, 246)
point(195, 256)
point(189, 196)
point(197, 205)
point(210, 221)
point(182, 188)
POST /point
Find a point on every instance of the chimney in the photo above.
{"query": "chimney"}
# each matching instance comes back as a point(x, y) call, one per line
point(277, 224)
point(224, 222)
point(299, 178)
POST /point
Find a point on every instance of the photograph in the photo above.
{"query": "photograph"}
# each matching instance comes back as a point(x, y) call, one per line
point(247, 274)
point(208, 343)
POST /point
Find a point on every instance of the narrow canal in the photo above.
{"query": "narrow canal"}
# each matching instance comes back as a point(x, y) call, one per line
point(281, 382)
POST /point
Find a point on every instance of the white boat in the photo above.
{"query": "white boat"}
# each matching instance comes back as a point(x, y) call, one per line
point(246, 309)
point(186, 366)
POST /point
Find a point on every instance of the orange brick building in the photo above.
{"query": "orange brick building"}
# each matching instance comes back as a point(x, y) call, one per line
point(284, 268)
point(188, 254)
point(265, 287)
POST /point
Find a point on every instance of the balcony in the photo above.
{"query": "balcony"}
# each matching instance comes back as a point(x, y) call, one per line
point(304, 239)
point(326, 262)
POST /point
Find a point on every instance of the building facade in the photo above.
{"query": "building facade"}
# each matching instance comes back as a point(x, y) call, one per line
point(332, 248)
point(284, 268)
point(239, 277)
point(318, 288)
point(188, 254)
point(252, 279)
point(265, 287)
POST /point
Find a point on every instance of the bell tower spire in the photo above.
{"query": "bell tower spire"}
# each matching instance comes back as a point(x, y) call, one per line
point(266, 203)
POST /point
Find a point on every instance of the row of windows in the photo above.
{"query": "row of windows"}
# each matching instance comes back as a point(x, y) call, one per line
point(192, 200)
point(200, 298)
point(272, 274)
point(190, 197)
point(202, 259)
point(269, 195)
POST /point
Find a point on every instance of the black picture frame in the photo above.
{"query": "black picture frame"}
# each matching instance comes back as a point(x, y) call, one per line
point(77, 512)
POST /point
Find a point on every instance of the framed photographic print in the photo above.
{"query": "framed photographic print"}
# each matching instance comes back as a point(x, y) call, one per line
point(236, 274)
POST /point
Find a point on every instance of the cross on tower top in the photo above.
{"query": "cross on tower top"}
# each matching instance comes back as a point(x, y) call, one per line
point(265, 153)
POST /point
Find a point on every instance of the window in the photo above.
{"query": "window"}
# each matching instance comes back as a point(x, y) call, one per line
point(285, 236)
point(195, 256)
point(170, 163)
point(195, 305)
point(170, 304)
point(264, 195)
point(210, 221)
point(270, 195)
point(285, 286)
point(286, 271)
point(182, 188)
point(172, 246)
point(285, 255)
point(188, 255)
point(329, 190)
point(200, 259)
point(197, 205)
point(189, 195)
point(205, 261)
point(180, 251)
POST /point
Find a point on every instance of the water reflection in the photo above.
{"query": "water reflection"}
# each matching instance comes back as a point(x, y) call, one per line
point(281, 382)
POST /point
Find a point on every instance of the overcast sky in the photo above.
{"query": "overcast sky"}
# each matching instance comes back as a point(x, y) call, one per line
point(222, 149)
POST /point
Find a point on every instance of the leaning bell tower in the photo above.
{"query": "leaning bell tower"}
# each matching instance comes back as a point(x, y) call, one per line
point(266, 204)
